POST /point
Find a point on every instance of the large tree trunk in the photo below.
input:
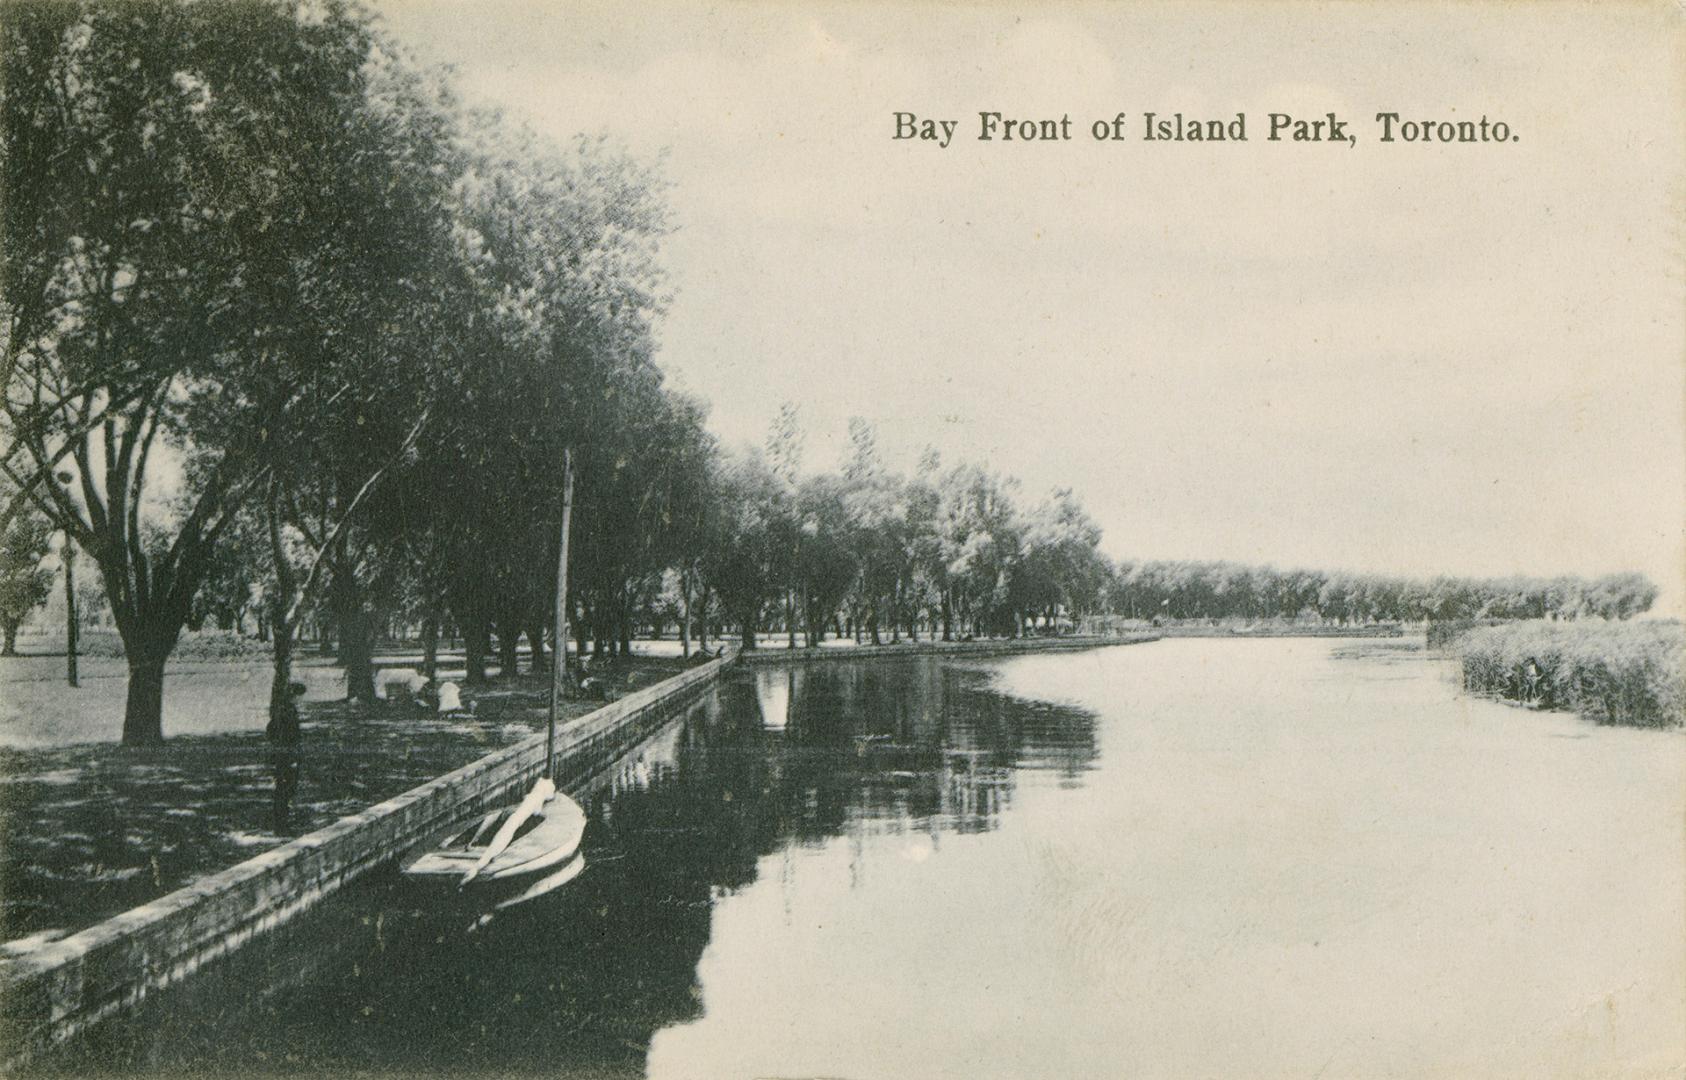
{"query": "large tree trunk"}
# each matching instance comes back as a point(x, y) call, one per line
point(356, 633)
point(284, 763)
point(476, 639)
point(535, 640)
point(357, 654)
point(149, 633)
point(430, 646)
point(509, 642)
point(143, 714)
point(283, 727)
point(685, 614)
point(10, 630)
point(948, 618)
point(71, 617)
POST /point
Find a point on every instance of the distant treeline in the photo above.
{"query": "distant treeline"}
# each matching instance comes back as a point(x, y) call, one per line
point(1206, 590)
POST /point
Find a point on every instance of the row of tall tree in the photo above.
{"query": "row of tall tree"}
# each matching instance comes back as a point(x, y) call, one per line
point(953, 552)
point(746, 539)
point(867, 551)
point(277, 308)
point(1210, 590)
point(281, 318)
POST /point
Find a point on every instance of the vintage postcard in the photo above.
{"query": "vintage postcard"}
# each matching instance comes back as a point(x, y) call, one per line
point(843, 539)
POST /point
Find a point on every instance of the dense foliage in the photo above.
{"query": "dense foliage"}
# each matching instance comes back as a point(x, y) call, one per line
point(1614, 673)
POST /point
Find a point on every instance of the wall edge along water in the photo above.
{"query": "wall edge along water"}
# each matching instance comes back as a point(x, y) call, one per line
point(67, 986)
point(1003, 647)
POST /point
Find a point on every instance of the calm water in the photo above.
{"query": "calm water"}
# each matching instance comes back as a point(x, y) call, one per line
point(1190, 858)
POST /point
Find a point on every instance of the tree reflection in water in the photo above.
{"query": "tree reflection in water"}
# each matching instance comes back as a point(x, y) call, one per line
point(581, 980)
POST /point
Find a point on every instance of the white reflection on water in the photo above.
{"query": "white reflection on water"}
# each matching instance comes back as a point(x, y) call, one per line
point(772, 696)
point(1287, 858)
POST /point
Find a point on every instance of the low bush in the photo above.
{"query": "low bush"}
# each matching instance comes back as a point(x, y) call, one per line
point(194, 645)
point(1629, 673)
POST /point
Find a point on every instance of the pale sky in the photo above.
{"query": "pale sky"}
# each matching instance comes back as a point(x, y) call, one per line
point(1409, 358)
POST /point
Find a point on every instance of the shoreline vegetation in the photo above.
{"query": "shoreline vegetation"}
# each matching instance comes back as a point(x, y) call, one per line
point(1631, 674)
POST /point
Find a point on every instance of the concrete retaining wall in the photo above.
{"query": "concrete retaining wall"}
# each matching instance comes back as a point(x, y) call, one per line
point(62, 988)
point(1002, 647)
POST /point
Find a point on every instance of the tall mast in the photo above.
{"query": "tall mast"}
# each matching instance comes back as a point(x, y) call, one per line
point(559, 659)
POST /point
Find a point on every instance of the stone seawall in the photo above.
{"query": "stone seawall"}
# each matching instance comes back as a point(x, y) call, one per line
point(63, 988)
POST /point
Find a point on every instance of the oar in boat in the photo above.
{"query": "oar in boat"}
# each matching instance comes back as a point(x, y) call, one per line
point(535, 800)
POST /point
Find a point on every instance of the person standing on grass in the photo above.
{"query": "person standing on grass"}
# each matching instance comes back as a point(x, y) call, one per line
point(450, 699)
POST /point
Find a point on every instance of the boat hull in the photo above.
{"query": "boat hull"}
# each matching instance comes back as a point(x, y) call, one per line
point(548, 839)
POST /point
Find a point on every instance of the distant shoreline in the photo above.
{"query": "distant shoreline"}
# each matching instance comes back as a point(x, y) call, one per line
point(1377, 630)
point(983, 647)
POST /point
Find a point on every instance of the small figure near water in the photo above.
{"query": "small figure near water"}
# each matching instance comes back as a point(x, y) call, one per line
point(1532, 678)
point(593, 683)
point(283, 727)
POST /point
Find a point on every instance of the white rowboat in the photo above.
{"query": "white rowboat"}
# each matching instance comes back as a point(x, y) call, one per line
point(543, 831)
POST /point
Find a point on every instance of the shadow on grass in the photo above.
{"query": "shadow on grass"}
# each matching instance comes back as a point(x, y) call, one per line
point(89, 831)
